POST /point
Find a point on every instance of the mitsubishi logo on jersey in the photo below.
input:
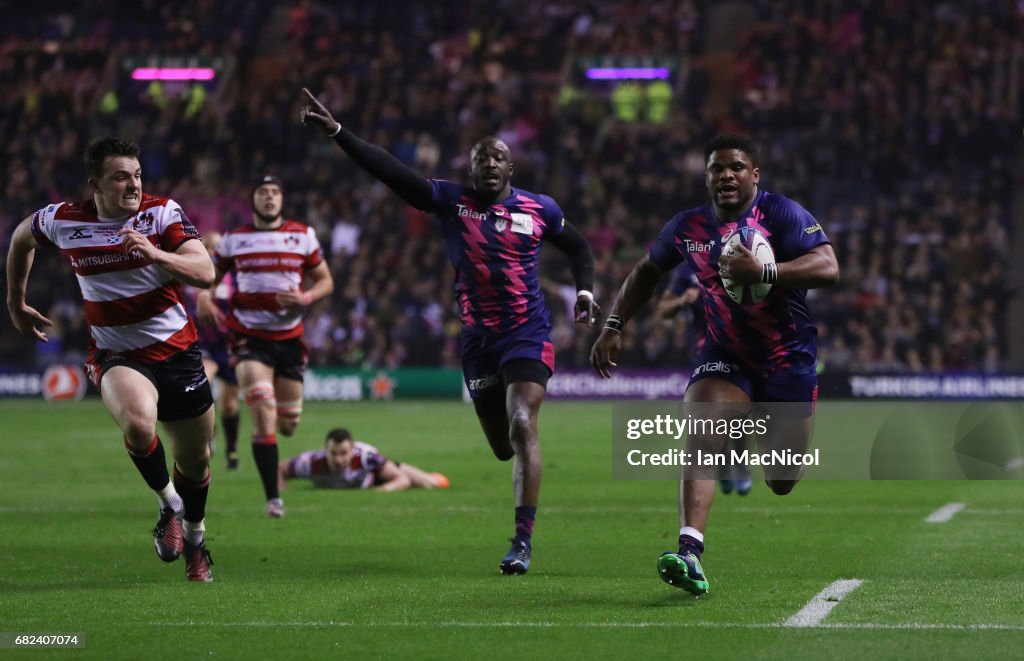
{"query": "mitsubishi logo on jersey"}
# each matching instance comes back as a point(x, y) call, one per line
point(291, 240)
point(696, 246)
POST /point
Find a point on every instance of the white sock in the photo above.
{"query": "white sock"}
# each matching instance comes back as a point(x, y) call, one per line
point(169, 497)
point(692, 532)
point(193, 532)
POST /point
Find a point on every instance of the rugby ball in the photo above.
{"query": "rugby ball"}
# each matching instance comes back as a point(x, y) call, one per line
point(756, 243)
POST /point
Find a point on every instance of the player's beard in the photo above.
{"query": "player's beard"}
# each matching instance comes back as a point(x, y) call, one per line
point(267, 218)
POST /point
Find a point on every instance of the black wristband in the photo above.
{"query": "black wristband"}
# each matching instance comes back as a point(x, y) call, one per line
point(770, 273)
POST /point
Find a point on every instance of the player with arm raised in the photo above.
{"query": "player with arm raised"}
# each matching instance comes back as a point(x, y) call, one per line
point(761, 352)
point(268, 260)
point(130, 252)
point(493, 233)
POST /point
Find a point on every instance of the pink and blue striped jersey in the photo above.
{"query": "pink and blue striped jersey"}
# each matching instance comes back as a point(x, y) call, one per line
point(494, 250)
point(777, 335)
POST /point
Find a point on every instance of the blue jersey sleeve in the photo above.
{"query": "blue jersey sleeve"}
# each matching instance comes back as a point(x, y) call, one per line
point(554, 219)
point(445, 193)
point(665, 252)
point(799, 231)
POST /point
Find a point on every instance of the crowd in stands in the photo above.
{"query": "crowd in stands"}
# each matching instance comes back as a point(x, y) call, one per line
point(891, 122)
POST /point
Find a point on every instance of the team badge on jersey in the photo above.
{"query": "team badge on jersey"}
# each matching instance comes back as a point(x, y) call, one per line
point(143, 223)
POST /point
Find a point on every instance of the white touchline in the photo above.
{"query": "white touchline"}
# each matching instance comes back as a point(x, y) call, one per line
point(818, 608)
point(944, 513)
point(691, 624)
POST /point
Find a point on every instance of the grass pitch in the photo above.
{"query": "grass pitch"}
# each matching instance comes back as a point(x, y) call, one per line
point(415, 574)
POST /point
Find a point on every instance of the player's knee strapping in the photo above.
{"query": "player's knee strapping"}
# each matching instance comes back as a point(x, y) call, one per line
point(290, 411)
point(261, 392)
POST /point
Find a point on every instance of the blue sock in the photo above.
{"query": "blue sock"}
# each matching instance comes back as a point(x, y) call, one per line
point(525, 516)
point(691, 545)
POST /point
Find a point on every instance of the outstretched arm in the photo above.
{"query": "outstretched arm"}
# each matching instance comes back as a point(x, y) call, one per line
point(26, 319)
point(581, 263)
point(391, 478)
point(406, 182)
point(635, 292)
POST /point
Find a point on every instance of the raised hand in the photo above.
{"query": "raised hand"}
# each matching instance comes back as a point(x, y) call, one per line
point(313, 113)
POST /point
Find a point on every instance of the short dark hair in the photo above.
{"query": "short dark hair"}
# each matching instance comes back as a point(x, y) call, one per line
point(488, 139)
point(732, 141)
point(337, 436)
point(100, 148)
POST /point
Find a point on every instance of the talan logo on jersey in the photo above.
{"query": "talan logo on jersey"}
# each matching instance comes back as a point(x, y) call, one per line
point(466, 212)
point(813, 228)
point(713, 366)
point(697, 246)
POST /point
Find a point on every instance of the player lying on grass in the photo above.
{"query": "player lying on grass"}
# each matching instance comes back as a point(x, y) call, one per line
point(345, 463)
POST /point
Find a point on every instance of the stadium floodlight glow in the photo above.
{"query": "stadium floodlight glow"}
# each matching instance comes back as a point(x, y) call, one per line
point(625, 73)
point(173, 73)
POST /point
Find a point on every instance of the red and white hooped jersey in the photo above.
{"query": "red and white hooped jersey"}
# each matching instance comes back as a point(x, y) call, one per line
point(266, 263)
point(134, 308)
